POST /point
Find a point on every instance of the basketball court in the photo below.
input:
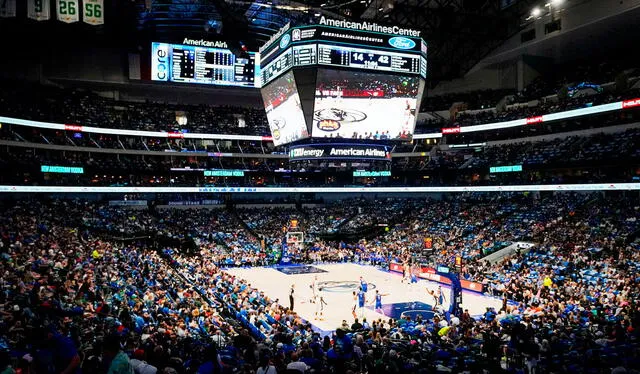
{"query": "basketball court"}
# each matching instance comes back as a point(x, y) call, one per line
point(340, 280)
point(361, 116)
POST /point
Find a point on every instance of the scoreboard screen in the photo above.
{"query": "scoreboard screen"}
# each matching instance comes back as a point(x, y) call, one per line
point(192, 64)
point(368, 59)
point(365, 105)
point(299, 55)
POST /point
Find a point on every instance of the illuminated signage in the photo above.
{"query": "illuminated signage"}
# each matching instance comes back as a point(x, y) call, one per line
point(339, 151)
point(451, 130)
point(630, 103)
point(224, 173)
point(205, 43)
point(275, 37)
point(368, 26)
point(61, 169)
point(505, 169)
point(362, 189)
point(73, 128)
point(536, 119)
point(402, 43)
point(361, 173)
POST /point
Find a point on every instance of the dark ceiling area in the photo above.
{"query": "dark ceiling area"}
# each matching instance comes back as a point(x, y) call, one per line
point(459, 32)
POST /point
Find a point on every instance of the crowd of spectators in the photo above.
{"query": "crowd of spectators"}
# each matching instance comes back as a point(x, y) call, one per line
point(77, 295)
point(359, 83)
point(83, 108)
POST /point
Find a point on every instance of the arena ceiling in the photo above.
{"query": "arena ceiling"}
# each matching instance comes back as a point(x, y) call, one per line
point(459, 32)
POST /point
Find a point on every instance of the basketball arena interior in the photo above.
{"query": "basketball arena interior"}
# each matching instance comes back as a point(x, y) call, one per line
point(319, 186)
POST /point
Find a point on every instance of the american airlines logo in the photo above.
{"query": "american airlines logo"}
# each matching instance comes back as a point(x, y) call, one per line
point(536, 119)
point(205, 43)
point(451, 130)
point(630, 103)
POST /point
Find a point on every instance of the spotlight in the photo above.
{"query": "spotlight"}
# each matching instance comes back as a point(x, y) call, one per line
point(536, 12)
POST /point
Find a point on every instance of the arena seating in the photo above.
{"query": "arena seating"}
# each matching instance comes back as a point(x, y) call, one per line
point(91, 272)
point(68, 106)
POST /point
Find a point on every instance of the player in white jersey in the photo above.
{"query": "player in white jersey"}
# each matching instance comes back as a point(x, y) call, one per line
point(355, 305)
point(320, 304)
point(314, 288)
point(408, 117)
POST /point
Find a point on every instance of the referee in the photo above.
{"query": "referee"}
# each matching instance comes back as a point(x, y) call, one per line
point(291, 296)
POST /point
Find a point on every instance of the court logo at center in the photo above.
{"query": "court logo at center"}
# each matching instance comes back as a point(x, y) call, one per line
point(343, 286)
point(328, 125)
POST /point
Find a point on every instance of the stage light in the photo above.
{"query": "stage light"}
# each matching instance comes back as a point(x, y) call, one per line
point(536, 12)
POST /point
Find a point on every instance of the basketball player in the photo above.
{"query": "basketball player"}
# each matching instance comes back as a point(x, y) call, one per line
point(291, 291)
point(363, 285)
point(362, 298)
point(378, 301)
point(406, 272)
point(313, 287)
point(440, 295)
point(355, 305)
point(414, 274)
point(407, 116)
point(435, 298)
point(320, 303)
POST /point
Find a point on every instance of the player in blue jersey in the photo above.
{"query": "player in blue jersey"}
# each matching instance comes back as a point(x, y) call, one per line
point(378, 301)
point(362, 296)
point(414, 274)
point(363, 285)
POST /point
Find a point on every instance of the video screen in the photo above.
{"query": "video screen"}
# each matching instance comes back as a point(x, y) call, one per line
point(190, 64)
point(284, 112)
point(358, 105)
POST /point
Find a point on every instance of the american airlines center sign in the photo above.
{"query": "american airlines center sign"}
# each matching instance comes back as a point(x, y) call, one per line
point(340, 152)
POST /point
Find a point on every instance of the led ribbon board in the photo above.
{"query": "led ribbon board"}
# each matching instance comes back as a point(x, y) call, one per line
point(61, 169)
point(620, 105)
point(373, 174)
point(517, 188)
point(224, 173)
point(505, 169)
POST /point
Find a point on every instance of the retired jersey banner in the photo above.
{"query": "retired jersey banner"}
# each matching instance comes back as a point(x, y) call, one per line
point(93, 12)
point(7, 8)
point(38, 10)
point(68, 10)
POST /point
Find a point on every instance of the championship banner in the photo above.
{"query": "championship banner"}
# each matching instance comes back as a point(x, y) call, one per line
point(67, 11)
point(93, 12)
point(7, 8)
point(38, 10)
